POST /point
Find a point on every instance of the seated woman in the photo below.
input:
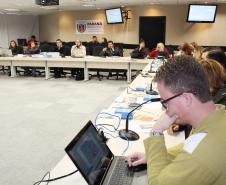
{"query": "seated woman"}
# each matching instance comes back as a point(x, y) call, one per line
point(15, 48)
point(140, 52)
point(31, 50)
point(186, 49)
point(217, 80)
point(160, 50)
point(197, 50)
point(218, 55)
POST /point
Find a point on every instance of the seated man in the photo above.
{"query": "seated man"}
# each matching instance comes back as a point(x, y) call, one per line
point(92, 44)
point(140, 52)
point(111, 50)
point(63, 52)
point(78, 50)
point(184, 90)
point(32, 39)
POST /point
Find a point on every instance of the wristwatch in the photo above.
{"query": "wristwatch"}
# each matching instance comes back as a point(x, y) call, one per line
point(155, 133)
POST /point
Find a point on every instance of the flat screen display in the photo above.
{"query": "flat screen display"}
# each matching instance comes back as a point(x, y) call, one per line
point(202, 13)
point(114, 16)
point(90, 154)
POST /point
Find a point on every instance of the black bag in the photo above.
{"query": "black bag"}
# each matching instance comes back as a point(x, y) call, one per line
point(80, 75)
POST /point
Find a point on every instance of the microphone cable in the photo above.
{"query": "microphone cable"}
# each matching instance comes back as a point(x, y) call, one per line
point(54, 179)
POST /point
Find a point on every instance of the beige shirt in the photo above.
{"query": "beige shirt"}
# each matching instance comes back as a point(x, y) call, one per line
point(78, 52)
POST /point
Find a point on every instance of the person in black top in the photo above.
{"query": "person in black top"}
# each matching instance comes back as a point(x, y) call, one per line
point(93, 44)
point(63, 52)
point(15, 48)
point(104, 42)
point(140, 52)
point(61, 48)
point(110, 50)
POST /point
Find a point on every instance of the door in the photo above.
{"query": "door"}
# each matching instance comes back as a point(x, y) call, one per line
point(152, 30)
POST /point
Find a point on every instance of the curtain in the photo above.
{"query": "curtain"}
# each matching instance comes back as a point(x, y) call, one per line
point(13, 27)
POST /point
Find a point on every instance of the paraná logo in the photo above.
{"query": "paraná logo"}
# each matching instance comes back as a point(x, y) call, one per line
point(81, 28)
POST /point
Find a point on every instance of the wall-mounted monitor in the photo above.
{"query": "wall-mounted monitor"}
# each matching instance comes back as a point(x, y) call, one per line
point(201, 13)
point(114, 16)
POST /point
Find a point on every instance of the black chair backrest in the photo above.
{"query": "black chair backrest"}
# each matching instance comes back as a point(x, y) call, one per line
point(87, 51)
point(97, 50)
point(22, 42)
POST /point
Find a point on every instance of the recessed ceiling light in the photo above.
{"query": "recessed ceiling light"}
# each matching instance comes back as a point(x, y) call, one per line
point(12, 10)
point(49, 7)
point(88, 5)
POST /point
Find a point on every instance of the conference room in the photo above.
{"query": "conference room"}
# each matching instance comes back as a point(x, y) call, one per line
point(100, 92)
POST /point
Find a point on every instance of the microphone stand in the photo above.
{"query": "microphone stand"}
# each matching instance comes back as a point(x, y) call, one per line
point(129, 134)
point(151, 91)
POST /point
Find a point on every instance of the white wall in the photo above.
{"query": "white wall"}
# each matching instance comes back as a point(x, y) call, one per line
point(62, 25)
point(13, 27)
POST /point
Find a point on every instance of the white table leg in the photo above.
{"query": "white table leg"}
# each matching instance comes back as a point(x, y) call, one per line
point(47, 71)
point(86, 73)
point(12, 70)
point(129, 73)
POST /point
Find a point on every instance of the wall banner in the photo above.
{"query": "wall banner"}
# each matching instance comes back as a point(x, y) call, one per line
point(89, 27)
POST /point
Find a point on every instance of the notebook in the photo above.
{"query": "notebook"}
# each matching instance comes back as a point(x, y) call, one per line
point(95, 161)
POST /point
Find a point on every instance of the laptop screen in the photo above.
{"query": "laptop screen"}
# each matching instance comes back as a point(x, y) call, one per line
point(90, 154)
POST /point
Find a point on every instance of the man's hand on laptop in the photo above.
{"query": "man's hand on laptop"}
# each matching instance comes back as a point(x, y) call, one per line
point(136, 158)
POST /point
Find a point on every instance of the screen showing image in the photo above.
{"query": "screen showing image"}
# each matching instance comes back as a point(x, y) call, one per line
point(114, 16)
point(91, 155)
point(201, 13)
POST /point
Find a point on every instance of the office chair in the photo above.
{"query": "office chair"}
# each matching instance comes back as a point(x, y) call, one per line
point(2, 69)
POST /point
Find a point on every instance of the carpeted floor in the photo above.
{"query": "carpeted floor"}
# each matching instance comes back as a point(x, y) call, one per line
point(38, 118)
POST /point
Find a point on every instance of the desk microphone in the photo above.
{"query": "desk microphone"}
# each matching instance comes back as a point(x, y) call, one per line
point(151, 91)
point(129, 134)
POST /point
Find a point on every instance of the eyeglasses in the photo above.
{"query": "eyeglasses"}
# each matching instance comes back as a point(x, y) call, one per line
point(164, 102)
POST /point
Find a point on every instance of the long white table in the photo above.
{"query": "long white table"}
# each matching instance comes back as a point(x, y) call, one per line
point(86, 63)
point(118, 145)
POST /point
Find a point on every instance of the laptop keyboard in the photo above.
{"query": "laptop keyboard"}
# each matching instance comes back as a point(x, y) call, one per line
point(121, 175)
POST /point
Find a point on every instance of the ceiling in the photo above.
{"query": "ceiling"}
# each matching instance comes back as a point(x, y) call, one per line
point(29, 6)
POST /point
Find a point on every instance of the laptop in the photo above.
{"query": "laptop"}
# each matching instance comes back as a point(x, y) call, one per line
point(4, 52)
point(95, 160)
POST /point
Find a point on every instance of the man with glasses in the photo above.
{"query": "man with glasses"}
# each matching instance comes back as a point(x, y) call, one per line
point(184, 90)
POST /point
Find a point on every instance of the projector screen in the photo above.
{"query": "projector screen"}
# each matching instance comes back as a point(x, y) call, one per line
point(114, 16)
point(201, 13)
